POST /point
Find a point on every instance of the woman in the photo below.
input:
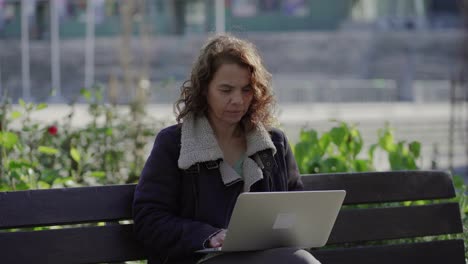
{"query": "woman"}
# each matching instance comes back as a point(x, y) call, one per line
point(223, 145)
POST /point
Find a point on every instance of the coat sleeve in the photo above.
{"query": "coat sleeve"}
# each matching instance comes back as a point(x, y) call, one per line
point(156, 205)
point(294, 176)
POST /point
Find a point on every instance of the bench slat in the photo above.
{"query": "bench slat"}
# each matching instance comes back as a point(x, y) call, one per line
point(397, 222)
point(108, 203)
point(67, 205)
point(447, 251)
point(374, 187)
point(114, 243)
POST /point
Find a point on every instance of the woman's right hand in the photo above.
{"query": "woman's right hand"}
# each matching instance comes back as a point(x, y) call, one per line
point(218, 239)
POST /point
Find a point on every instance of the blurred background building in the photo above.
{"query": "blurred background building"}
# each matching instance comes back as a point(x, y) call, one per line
point(196, 16)
point(389, 49)
point(402, 60)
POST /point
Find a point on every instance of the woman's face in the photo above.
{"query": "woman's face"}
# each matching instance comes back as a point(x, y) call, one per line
point(229, 94)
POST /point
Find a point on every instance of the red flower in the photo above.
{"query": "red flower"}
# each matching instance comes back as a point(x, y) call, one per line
point(52, 130)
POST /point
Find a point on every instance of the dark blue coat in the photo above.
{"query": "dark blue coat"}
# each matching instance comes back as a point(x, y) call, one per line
point(176, 210)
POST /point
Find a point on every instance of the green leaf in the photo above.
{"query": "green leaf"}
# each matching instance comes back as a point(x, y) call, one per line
point(15, 174)
point(301, 154)
point(309, 136)
point(49, 175)
point(63, 182)
point(75, 155)
point(395, 160)
point(22, 103)
point(324, 142)
point(356, 142)
point(86, 94)
point(313, 166)
point(415, 148)
point(22, 186)
point(371, 151)
point(16, 114)
point(458, 181)
point(420, 202)
point(334, 164)
point(43, 185)
point(361, 165)
point(29, 106)
point(41, 106)
point(15, 165)
point(109, 131)
point(98, 95)
point(8, 139)
point(337, 135)
point(386, 141)
point(98, 174)
point(409, 163)
point(48, 150)
point(306, 149)
point(19, 164)
point(4, 187)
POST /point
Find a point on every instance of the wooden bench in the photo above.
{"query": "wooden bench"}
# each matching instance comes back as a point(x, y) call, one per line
point(86, 241)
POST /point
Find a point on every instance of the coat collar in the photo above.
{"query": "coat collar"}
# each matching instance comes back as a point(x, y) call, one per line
point(199, 144)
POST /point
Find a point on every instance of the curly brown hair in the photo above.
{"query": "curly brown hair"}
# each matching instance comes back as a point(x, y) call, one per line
point(227, 49)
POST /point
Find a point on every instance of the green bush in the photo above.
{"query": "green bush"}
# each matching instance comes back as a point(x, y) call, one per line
point(110, 149)
point(341, 149)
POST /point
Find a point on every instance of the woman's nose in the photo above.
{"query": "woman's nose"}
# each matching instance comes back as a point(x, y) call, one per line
point(237, 98)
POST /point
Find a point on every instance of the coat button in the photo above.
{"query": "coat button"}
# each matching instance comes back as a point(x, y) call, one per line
point(264, 155)
point(268, 164)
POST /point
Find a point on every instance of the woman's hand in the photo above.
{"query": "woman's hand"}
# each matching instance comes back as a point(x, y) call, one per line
point(218, 239)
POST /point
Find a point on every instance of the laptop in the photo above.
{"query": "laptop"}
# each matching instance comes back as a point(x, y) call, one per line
point(264, 220)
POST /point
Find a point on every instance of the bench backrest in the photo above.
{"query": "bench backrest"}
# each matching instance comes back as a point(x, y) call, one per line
point(83, 243)
point(112, 240)
point(392, 221)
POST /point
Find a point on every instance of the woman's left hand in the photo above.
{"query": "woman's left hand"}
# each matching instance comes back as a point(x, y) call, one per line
point(218, 239)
